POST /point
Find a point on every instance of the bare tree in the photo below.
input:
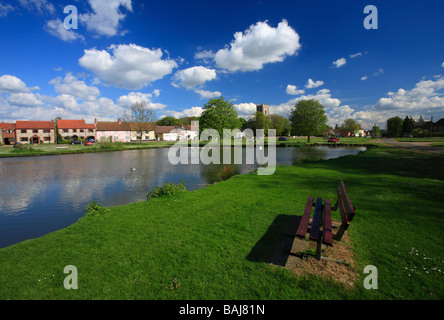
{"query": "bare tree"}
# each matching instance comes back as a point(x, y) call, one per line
point(140, 118)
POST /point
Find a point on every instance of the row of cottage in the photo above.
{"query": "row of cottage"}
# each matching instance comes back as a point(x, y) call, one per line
point(45, 132)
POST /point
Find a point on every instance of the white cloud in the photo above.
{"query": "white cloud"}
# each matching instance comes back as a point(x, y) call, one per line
point(41, 6)
point(77, 88)
point(245, 109)
point(340, 62)
point(127, 100)
point(24, 100)
point(380, 71)
point(355, 55)
point(313, 84)
point(128, 66)
point(4, 9)
point(293, 90)
point(57, 29)
point(423, 98)
point(12, 84)
point(194, 76)
point(205, 56)
point(106, 17)
point(191, 112)
point(442, 65)
point(259, 45)
point(208, 94)
point(364, 78)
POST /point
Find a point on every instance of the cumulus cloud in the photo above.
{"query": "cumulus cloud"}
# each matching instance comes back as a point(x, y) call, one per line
point(424, 97)
point(194, 76)
point(442, 64)
point(106, 16)
point(313, 84)
point(127, 66)
point(245, 109)
point(191, 112)
point(204, 94)
point(293, 90)
point(364, 78)
point(72, 86)
point(126, 101)
point(40, 6)
point(12, 84)
point(340, 62)
point(24, 100)
point(56, 28)
point(259, 45)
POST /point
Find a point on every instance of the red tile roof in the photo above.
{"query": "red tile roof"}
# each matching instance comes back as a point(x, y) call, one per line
point(7, 125)
point(74, 124)
point(112, 126)
point(35, 125)
point(164, 129)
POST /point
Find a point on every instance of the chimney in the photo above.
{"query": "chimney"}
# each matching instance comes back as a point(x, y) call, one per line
point(119, 121)
point(95, 120)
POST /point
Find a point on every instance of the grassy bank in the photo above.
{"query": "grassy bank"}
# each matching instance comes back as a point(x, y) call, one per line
point(215, 243)
point(55, 149)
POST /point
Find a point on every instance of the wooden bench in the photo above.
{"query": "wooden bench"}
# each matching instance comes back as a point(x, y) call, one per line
point(322, 216)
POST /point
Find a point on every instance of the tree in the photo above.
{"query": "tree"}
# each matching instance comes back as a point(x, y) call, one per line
point(140, 118)
point(281, 124)
point(350, 125)
point(169, 121)
point(218, 114)
point(308, 117)
point(394, 126)
point(407, 125)
point(376, 131)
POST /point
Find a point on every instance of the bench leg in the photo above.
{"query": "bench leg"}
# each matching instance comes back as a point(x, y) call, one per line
point(339, 234)
point(318, 249)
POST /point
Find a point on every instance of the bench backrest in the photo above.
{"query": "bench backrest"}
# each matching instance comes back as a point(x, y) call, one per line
point(345, 207)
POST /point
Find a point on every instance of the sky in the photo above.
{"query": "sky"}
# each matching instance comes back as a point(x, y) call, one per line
point(92, 59)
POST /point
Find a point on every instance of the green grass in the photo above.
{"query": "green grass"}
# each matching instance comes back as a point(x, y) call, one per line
point(438, 145)
point(215, 243)
point(421, 139)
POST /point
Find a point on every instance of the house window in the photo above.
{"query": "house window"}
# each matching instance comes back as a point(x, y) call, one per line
point(47, 139)
point(8, 131)
point(46, 131)
point(23, 131)
point(81, 130)
point(90, 130)
point(23, 139)
point(116, 138)
point(65, 130)
point(74, 130)
point(35, 131)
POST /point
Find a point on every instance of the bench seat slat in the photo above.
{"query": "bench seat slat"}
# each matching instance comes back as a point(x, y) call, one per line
point(303, 225)
point(327, 229)
point(315, 224)
point(350, 212)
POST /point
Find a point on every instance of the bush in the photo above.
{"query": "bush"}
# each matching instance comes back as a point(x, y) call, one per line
point(167, 189)
point(94, 208)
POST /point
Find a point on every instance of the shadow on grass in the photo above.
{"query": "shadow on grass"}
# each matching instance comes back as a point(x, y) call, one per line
point(275, 245)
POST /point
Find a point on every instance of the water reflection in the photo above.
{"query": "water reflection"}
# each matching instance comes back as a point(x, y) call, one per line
point(44, 194)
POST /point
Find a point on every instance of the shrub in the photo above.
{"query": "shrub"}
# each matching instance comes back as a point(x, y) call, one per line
point(167, 189)
point(94, 208)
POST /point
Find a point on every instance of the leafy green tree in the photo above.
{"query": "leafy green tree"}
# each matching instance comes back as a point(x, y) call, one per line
point(350, 125)
point(394, 126)
point(169, 121)
point(281, 124)
point(307, 117)
point(218, 114)
point(407, 125)
point(376, 131)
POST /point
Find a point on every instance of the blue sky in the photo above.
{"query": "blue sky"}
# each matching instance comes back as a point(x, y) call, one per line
point(176, 55)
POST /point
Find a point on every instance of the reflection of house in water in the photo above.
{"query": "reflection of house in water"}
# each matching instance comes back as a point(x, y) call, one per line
point(35, 131)
point(7, 133)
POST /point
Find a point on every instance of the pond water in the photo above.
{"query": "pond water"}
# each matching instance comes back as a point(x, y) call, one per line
point(42, 194)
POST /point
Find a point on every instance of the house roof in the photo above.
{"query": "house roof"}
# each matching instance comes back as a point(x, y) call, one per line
point(7, 125)
point(74, 124)
point(35, 124)
point(164, 129)
point(112, 126)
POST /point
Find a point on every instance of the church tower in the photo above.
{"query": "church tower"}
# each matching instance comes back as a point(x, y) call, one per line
point(264, 108)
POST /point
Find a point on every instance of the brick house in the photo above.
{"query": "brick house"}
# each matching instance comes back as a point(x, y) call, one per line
point(35, 131)
point(76, 130)
point(7, 132)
